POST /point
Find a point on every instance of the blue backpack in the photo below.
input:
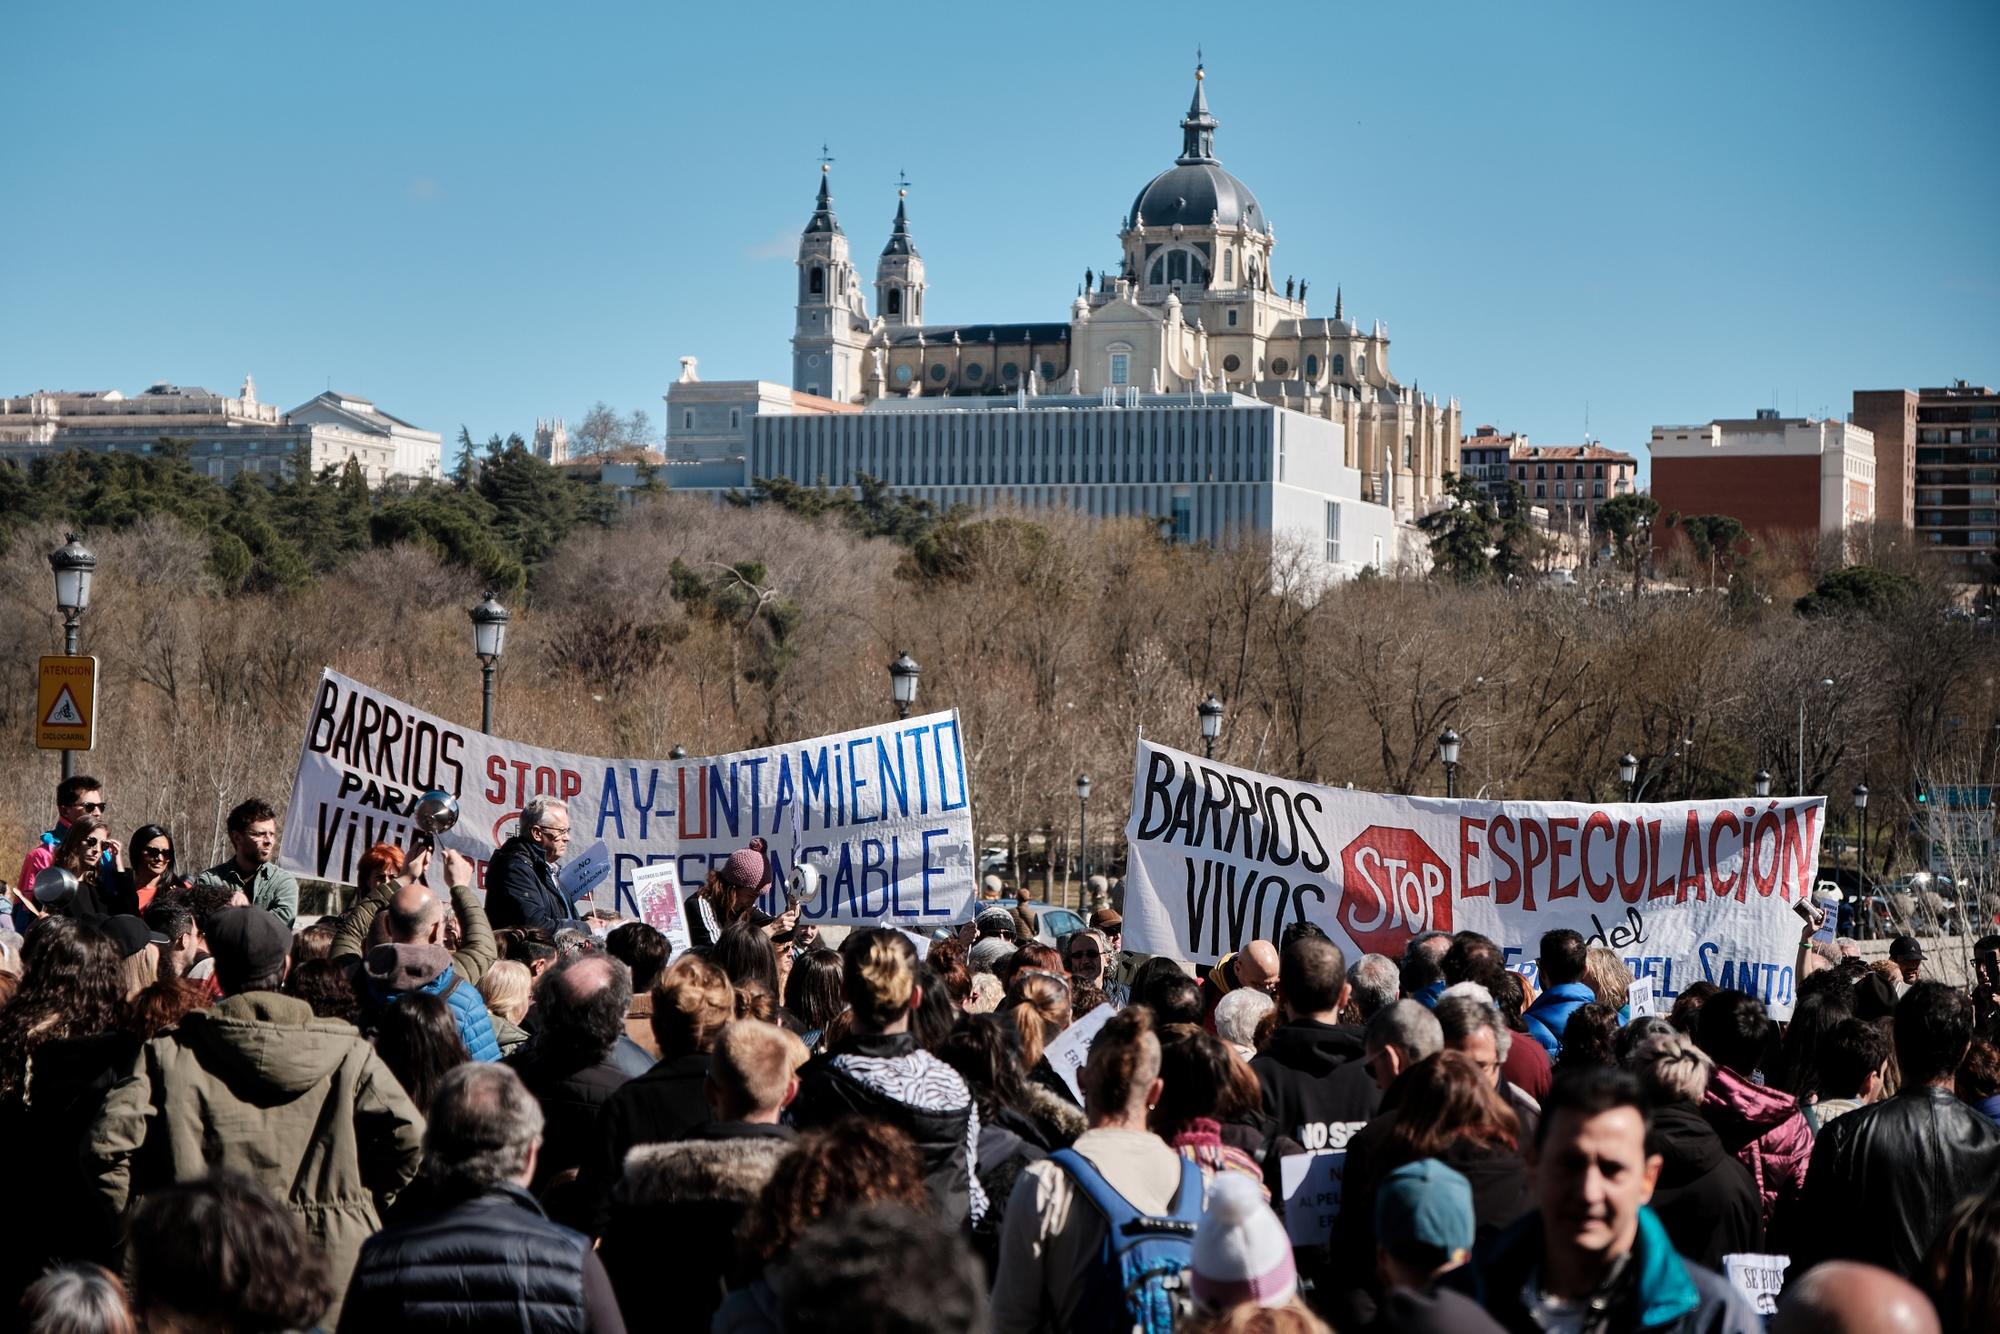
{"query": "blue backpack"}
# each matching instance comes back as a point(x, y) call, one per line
point(1139, 1282)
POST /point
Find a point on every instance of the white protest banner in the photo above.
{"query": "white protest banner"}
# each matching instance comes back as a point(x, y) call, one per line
point(1312, 1185)
point(657, 900)
point(1683, 891)
point(884, 812)
point(1758, 1277)
point(1639, 1002)
point(1071, 1048)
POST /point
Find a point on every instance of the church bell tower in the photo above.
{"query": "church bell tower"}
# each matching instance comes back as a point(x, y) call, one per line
point(899, 274)
point(831, 332)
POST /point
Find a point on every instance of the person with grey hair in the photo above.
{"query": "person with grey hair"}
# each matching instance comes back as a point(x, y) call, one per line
point(483, 1253)
point(1376, 981)
point(1705, 1197)
point(1397, 1038)
point(521, 887)
point(1237, 1016)
point(1472, 1025)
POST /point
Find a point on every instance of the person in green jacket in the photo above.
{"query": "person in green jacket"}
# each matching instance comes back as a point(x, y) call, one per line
point(383, 873)
point(260, 1086)
point(252, 866)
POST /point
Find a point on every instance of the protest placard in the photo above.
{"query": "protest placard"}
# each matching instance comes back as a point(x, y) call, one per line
point(1068, 1051)
point(1311, 1184)
point(884, 812)
point(1639, 1002)
point(1682, 891)
point(1758, 1277)
point(584, 871)
point(657, 898)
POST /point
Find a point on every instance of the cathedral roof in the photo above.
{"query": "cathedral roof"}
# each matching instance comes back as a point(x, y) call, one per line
point(899, 239)
point(822, 218)
point(1196, 191)
point(977, 335)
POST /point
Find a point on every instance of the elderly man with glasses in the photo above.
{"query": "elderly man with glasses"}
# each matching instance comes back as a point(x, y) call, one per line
point(1085, 953)
point(521, 887)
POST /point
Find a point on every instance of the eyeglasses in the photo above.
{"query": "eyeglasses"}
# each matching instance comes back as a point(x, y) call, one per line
point(92, 807)
point(93, 842)
point(162, 853)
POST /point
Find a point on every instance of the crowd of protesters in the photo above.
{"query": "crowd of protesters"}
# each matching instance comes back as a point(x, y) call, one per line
point(448, 1110)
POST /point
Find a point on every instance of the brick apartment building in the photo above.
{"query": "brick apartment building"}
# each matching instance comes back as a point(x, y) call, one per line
point(1774, 475)
point(1941, 448)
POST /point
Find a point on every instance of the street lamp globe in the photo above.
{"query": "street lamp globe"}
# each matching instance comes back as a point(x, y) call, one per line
point(489, 629)
point(73, 564)
point(1628, 768)
point(1861, 796)
point(903, 674)
point(1448, 744)
point(1763, 781)
point(1210, 710)
point(1083, 787)
point(679, 752)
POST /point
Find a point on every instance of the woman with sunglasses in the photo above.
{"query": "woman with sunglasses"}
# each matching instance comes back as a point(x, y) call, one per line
point(97, 860)
point(152, 864)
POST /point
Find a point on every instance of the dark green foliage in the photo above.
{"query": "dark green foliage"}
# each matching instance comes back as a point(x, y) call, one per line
point(740, 597)
point(1713, 538)
point(1860, 590)
point(878, 511)
point(1472, 541)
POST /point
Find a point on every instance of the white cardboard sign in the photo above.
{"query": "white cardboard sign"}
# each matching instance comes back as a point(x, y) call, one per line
point(1312, 1185)
point(1758, 1277)
point(1071, 1048)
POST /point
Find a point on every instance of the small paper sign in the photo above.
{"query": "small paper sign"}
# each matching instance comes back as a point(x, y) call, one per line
point(657, 891)
point(584, 871)
point(1071, 1048)
point(1639, 1001)
point(1312, 1184)
point(1758, 1277)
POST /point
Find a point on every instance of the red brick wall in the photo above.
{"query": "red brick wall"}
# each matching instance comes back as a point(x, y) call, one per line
point(1764, 494)
point(1891, 415)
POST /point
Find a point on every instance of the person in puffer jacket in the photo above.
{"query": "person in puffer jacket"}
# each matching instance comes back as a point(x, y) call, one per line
point(880, 1071)
point(1762, 1126)
point(416, 960)
point(1564, 992)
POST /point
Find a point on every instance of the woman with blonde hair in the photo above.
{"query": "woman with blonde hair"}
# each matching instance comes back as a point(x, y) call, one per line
point(508, 990)
point(1607, 977)
point(878, 1070)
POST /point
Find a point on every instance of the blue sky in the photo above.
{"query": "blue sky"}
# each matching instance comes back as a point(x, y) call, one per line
point(485, 214)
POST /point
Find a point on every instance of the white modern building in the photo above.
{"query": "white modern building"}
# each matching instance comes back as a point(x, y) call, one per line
point(226, 437)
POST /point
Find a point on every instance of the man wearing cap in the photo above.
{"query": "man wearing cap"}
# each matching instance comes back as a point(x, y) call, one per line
point(1424, 1229)
point(1120, 963)
point(261, 1086)
point(1908, 955)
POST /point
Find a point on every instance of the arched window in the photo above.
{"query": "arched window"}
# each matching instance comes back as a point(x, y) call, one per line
point(1158, 273)
point(895, 301)
point(1339, 364)
point(816, 283)
point(1312, 367)
point(1177, 266)
point(1361, 363)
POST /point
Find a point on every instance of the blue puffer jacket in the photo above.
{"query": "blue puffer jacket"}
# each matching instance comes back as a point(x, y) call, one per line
point(1549, 1015)
point(392, 970)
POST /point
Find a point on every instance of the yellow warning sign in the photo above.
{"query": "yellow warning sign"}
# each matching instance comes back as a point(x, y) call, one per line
point(66, 704)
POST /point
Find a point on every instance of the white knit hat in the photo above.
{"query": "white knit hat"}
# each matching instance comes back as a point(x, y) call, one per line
point(1242, 1256)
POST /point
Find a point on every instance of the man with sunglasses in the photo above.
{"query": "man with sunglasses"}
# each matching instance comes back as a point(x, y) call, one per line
point(75, 798)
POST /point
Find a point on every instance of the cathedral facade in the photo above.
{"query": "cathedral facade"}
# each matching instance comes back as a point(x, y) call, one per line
point(1194, 308)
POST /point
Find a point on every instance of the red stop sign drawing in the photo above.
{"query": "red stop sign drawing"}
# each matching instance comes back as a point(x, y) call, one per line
point(1392, 887)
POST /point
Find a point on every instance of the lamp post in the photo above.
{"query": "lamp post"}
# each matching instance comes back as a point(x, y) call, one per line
point(1628, 773)
point(679, 752)
point(1763, 781)
point(1825, 683)
point(1448, 752)
point(1861, 849)
point(1082, 836)
point(1210, 712)
point(74, 565)
point(489, 640)
point(903, 674)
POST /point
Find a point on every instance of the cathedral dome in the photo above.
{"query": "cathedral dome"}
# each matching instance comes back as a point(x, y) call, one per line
point(1196, 194)
point(1196, 191)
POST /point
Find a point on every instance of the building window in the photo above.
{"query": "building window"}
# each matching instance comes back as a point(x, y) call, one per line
point(687, 418)
point(1407, 456)
point(1361, 363)
point(1559, 472)
point(813, 360)
point(1232, 319)
point(1339, 364)
point(1280, 367)
point(902, 375)
point(938, 371)
point(1599, 471)
point(1232, 363)
point(1980, 537)
point(1010, 371)
point(1048, 370)
point(1597, 490)
point(1333, 532)
point(974, 372)
point(1121, 368)
point(1183, 512)
point(1541, 471)
point(895, 301)
point(736, 419)
point(1312, 368)
point(1229, 274)
point(816, 284)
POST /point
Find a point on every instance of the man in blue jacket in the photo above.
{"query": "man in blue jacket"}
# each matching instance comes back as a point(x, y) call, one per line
point(415, 959)
point(1563, 990)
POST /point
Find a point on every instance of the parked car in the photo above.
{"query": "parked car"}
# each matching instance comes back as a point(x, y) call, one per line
point(993, 860)
point(1056, 921)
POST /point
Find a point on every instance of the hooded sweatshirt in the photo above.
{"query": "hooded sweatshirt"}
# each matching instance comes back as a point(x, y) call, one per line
point(1316, 1084)
point(1764, 1128)
point(390, 971)
point(1705, 1198)
point(259, 1085)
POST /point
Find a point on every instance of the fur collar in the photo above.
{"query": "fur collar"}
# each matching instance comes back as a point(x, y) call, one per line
point(700, 1170)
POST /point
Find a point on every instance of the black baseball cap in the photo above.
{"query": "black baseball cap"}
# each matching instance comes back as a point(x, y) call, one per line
point(247, 943)
point(131, 933)
point(1905, 949)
